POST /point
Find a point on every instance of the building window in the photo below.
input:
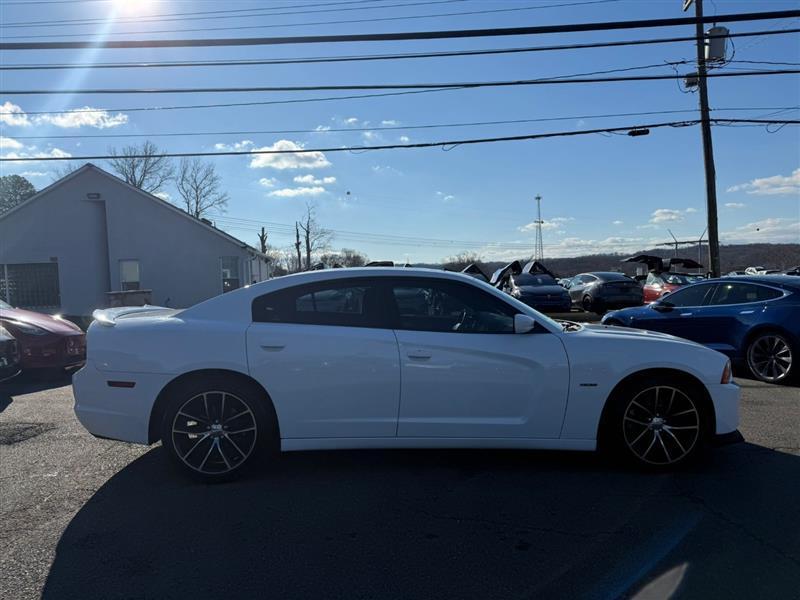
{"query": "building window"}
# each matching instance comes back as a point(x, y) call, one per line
point(129, 275)
point(31, 285)
point(231, 277)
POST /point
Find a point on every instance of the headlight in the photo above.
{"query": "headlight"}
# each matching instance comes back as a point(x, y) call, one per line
point(26, 328)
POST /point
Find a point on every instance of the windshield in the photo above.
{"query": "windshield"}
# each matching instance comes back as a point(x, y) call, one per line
point(529, 279)
point(4, 305)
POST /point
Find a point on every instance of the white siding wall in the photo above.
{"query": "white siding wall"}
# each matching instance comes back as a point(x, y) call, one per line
point(178, 257)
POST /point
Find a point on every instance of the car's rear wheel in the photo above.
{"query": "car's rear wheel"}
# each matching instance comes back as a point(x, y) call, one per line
point(587, 304)
point(770, 358)
point(658, 423)
point(214, 429)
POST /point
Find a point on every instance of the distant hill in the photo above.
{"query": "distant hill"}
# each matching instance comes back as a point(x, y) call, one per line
point(735, 257)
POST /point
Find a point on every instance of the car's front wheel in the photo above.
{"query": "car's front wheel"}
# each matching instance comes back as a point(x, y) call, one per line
point(657, 423)
point(770, 358)
point(215, 428)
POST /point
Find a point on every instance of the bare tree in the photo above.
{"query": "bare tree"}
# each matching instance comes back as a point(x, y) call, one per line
point(461, 260)
point(262, 240)
point(144, 167)
point(346, 257)
point(64, 169)
point(316, 238)
point(200, 186)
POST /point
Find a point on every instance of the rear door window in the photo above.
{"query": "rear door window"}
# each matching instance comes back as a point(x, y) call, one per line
point(347, 303)
point(742, 293)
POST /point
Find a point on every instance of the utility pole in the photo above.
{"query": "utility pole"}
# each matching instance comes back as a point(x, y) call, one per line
point(297, 246)
point(708, 148)
point(538, 253)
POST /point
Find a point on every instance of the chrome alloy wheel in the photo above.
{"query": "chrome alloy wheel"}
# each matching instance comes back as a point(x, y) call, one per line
point(770, 357)
point(661, 425)
point(214, 432)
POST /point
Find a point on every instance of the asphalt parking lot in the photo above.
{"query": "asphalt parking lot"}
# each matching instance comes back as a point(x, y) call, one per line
point(89, 518)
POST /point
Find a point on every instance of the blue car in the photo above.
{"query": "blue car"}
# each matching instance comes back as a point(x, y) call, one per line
point(755, 320)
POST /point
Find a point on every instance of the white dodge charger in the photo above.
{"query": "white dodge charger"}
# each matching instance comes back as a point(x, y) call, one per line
point(392, 358)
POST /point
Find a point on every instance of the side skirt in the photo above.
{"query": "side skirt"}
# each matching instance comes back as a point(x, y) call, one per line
point(297, 444)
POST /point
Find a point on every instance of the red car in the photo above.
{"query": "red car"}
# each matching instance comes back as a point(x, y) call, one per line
point(660, 284)
point(45, 341)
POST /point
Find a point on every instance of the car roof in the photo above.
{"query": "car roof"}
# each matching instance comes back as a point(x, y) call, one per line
point(792, 281)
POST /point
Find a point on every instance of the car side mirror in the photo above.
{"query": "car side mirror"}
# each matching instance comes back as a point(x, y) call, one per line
point(661, 306)
point(523, 323)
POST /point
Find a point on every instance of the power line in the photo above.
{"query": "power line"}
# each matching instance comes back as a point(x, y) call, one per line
point(376, 57)
point(443, 144)
point(560, 79)
point(230, 104)
point(402, 36)
point(315, 23)
point(388, 128)
point(240, 13)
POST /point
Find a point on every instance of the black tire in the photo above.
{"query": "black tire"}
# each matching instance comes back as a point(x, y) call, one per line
point(217, 428)
point(771, 357)
point(657, 423)
point(587, 304)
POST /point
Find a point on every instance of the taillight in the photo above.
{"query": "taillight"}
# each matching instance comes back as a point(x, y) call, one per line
point(726, 373)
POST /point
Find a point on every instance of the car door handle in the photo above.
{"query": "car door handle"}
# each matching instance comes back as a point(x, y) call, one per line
point(418, 355)
point(686, 314)
point(747, 312)
point(273, 347)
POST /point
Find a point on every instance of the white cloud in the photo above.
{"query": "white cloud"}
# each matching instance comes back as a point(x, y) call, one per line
point(774, 230)
point(648, 226)
point(32, 153)
point(296, 192)
point(690, 210)
point(13, 115)
point(8, 143)
point(405, 139)
point(268, 182)
point(351, 121)
point(385, 170)
point(311, 180)
point(34, 174)
point(322, 128)
point(666, 215)
point(735, 205)
point(236, 146)
point(290, 160)
point(390, 123)
point(547, 225)
point(572, 246)
point(370, 135)
point(618, 222)
point(162, 195)
point(86, 117)
point(770, 186)
point(445, 197)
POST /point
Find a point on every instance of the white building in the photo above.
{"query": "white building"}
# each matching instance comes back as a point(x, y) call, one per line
point(72, 245)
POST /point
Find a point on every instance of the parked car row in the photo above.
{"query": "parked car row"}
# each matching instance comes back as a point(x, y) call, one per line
point(36, 342)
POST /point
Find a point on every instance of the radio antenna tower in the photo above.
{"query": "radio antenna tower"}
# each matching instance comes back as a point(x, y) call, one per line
point(538, 253)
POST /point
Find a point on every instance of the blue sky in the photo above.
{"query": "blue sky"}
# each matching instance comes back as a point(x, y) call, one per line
point(600, 192)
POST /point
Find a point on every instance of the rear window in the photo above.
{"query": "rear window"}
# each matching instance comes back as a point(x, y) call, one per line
point(742, 293)
point(530, 279)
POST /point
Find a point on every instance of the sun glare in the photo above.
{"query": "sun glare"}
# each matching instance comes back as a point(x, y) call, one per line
point(132, 8)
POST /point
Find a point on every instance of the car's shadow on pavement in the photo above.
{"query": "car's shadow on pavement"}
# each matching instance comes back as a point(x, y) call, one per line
point(26, 383)
point(440, 524)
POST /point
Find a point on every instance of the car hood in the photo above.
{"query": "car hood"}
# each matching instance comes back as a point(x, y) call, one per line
point(541, 290)
point(46, 322)
point(611, 331)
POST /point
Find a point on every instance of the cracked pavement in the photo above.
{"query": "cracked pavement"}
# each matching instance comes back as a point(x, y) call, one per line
point(83, 517)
